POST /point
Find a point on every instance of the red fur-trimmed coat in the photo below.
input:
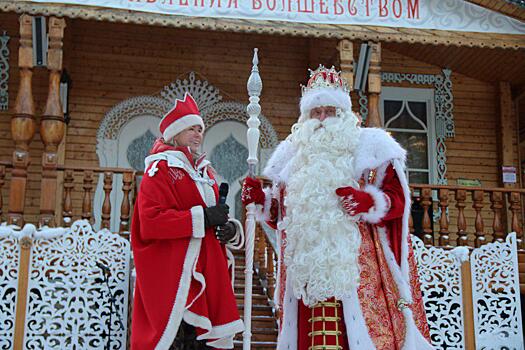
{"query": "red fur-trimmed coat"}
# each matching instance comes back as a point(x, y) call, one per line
point(386, 311)
point(182, 269)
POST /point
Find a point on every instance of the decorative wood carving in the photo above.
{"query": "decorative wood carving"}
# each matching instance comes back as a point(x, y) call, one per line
point(22, 124)
point(374, 86)
point(52, 125)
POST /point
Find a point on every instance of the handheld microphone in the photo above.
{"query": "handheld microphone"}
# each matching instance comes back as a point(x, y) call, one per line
point(223, 192)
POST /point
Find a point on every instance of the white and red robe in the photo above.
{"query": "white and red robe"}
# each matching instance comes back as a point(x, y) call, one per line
point(182, 269)
point(373, 317)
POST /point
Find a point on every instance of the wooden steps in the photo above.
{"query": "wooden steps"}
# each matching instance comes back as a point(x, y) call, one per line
point(264, 325)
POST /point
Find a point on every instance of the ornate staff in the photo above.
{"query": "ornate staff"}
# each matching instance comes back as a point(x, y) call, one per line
point(254, 109)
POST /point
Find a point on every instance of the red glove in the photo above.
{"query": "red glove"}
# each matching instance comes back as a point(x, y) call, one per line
point(252, 191)
point(355, 201)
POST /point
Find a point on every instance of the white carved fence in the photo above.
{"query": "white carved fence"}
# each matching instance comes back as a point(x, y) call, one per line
point(67, 305)
point(495, 297)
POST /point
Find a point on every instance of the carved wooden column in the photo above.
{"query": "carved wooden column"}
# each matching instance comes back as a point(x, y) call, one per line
point(346, 60)
point(22, 124)
point(444, 238)
point(374, 86)
point(462, 236)
point(52, 124)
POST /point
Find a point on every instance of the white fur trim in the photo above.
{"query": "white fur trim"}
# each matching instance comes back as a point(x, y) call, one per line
point(181, 124)
point(402, 281)
point(277, 167)
point(197, 221)
point(287, 339)
point(414, 340)
point(223, 334)
point(381, 205)
point(168, 336)
point(262, 212)
point(356, 328)
point(399, 166)
point(265, 212)
point(335, 97)
point(376, 147)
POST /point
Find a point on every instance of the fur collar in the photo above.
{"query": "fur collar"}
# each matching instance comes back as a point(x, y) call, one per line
point(375, 148)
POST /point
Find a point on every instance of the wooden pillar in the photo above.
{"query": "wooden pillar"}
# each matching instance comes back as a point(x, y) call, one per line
point(21, 292)
point(468, 305)
point(507, 132)
point(374, 86)
point(346, 60)
point(22, 124)
point(52, 124)
point(508, 150)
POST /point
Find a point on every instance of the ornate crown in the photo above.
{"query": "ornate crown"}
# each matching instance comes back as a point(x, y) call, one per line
point(323, 77)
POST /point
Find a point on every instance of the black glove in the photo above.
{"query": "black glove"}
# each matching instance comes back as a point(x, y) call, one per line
point(216, 215)
point(226, 232)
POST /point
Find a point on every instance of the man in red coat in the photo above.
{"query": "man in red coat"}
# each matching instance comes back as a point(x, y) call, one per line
point(340, 203)
point(183, 287)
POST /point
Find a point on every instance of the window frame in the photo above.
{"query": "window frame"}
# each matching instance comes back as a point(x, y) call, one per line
point(402, 94)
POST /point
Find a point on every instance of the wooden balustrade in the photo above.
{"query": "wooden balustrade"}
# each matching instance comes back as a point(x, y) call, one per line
point(106, 206)
point(86, 200)
point(470, 231)
point(67, 213)
point(444, 238)
point(2, 182)
point(127, 180)
point(461, 196)
point(477, 199)
point(89, 177)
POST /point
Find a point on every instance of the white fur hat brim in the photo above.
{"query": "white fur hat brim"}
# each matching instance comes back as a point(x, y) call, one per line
point(325, 97)
point(181, 124)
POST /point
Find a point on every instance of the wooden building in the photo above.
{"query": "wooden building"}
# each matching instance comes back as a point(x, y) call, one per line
point(454, 97)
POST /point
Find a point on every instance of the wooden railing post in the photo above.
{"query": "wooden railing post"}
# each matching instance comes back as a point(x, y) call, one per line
point(374, 86)
point(2, 182)
point(515, 209)
point(22, 124)
point(497, 205)
point(21, 292)
point(477, 199)
point(468, 305)
point(444, 238)
point(426, 203)
point(106, 205)
point(86, 202)
point(261, 252)
point(461, 196)
point(270, 270)
point(127, 179)
point(67, 212)
point(411, 228)
point(52, 124)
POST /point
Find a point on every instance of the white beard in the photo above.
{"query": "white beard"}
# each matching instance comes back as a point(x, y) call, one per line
point(322, 246)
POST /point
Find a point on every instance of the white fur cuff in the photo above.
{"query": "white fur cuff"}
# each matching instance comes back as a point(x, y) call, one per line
point(197, 221)
point(381, 205)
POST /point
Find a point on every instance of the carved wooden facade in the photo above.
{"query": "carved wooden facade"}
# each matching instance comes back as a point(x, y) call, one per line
point(49, 174)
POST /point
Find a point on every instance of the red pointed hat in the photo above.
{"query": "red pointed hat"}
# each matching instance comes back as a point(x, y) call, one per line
point(184, 114)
